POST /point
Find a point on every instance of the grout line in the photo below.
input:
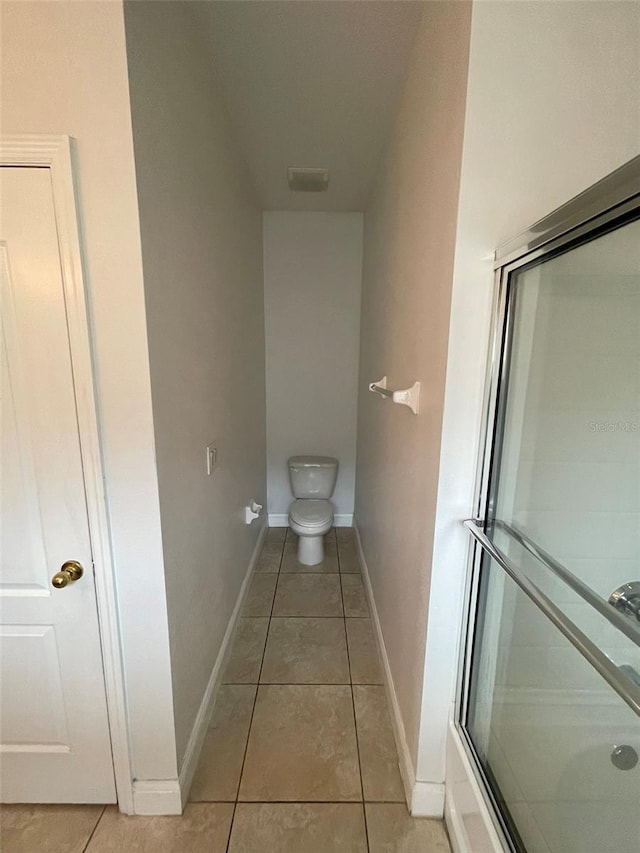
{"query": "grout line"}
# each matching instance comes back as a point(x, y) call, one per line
point(313, 684)
point(308, 684)
point(353, 707)
point(307, 616)
point(320, 616)
point(93, 831)
point(233, 817)
point(353, 703)
point(311, 802)
point(255, 698)
point(304, 683)
point(284, 539)
point(257, 684)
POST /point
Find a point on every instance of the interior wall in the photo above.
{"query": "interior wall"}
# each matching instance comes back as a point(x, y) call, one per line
point(202, 251)
point(64, 71)
point(312, 279)
point(566, 114)
point(409, 237)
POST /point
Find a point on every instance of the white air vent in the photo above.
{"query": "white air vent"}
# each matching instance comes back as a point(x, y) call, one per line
point(308, 180)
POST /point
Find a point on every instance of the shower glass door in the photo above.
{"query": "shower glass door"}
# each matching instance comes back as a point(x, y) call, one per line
point(551, 697)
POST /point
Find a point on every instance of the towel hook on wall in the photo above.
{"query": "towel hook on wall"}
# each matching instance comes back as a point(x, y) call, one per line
point(408, 397)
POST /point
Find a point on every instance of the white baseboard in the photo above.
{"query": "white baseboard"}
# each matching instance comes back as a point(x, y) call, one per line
point(157, 797)
point(427, 799)
point(201, 723)
point(340, 519)
point(407, 771)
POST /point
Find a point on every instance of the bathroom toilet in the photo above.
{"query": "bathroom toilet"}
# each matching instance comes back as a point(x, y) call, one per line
point(313, 479)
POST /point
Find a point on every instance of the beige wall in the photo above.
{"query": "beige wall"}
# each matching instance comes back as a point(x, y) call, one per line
point(312, 279)
point(410, 226)
point(202, 252)
point(64, 71)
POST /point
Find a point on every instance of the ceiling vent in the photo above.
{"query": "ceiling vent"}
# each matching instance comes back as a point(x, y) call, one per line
point(308, 180)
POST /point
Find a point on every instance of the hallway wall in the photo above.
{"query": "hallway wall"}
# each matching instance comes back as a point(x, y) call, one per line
point(409, 237)
point(64, 70)
point(312, 279)
point(202, 251)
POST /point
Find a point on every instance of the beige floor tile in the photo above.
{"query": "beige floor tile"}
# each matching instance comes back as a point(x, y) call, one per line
point(46, 829)
point(355, 600)
point(344, 535)
point(302, 746)
point(392, 830)
point(306, 651)
point(218, 774)
point(276, 535)
point(308, 595)
point(348, 551)
point(349, 562)
point(270, 557)
point(203, 828)
point(378, 756)
point(246, 653)
point(260, 595)
point(363, 652)
point(298, 828)
point(328, 565)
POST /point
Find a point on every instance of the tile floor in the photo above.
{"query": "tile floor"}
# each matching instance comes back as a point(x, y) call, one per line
point(299, 756)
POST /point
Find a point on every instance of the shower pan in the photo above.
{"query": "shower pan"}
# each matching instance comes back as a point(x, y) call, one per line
point(549, 699)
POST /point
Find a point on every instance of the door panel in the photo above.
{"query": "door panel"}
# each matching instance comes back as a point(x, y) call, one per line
point(546, 731)
point(551, 708)
point(54, 727)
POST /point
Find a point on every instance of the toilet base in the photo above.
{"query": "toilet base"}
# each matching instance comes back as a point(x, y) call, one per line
point(310, 550)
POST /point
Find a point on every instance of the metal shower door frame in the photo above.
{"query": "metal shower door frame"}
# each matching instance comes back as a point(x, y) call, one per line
point(607, 205)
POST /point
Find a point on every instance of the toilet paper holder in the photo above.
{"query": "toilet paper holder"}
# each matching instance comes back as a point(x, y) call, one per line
point(408, 397)
point(252, 512)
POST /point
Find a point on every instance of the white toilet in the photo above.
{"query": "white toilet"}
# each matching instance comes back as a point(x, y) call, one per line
point(313, 479)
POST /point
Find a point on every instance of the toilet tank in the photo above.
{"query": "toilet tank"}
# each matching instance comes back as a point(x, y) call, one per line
point(313, 477)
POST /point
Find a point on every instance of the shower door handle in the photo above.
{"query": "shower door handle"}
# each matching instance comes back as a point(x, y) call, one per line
point(626, 598)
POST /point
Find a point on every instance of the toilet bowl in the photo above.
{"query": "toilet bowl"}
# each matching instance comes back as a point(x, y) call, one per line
point(312, 481)
point(310, 520)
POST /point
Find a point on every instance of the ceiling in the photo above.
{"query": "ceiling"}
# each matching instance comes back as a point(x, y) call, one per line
point(311, 83)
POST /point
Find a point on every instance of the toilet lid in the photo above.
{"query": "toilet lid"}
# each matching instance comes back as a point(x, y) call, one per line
point(312, 462)
point(311, 512)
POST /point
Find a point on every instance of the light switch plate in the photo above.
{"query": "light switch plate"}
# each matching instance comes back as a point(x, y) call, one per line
point(212, 457)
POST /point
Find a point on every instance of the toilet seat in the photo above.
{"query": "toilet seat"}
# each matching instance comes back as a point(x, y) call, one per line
point(311, 514)
point(310, 519)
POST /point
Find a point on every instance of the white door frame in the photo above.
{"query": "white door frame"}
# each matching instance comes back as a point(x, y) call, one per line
point(55, 153)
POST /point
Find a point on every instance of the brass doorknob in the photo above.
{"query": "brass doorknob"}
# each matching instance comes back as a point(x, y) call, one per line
point(69, 572)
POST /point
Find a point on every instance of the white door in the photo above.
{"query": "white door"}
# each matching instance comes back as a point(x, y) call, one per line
point(54, 731)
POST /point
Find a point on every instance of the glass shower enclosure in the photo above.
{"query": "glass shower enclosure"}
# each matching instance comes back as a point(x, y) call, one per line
point(549, 706)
